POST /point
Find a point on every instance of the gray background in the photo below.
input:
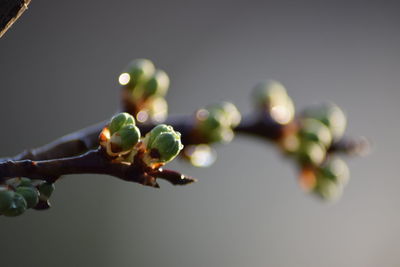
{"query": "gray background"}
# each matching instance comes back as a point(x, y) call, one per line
point(58, 71)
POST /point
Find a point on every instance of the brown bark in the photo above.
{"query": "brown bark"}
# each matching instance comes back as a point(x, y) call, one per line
point(10, 11)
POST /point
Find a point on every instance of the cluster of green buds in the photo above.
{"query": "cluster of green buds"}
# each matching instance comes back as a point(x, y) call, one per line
point(122, 141)
point(307, 138)
point(271, 98)
point(121, 136)
point(145, 88)
point(162, 144)
point(215, 123)
point(19, 194)
point(309, 141)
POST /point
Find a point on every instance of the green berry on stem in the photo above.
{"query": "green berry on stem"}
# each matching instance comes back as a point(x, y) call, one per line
point(30, 194)
point(120, 120)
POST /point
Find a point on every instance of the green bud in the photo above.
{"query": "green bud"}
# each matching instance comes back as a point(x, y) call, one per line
point(216, 118)
point(331, 115)
point(231, 114)
point(272, 97)
point(125, 138)
point(224, 135)
point(314, 130)
point(157, 84)
point(156, 131)
point(25, 182)
point(158, 109)
point(120, 120)
point(328, 189)
point(11, 203)
point(140, 70)
point(311, 153)
point(30, 194)
point(214, 123)
point(6, 197)
point(269, 93)
point(164, 143)
point(336, 170)
point(46, 189)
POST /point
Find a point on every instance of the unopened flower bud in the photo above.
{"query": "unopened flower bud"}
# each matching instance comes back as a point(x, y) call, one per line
point(30, 194)
point(25, 182)
point(229, 111)
point(125, 138)
point(138, 71)
point(311, 153)
point(336, 170)
point(156, 131)
point(120, 120)
point(270, 92)
point(331, 115)
point(11, 203)
point(271, 96)
point(328, 189)
point(157, 84)
point(45, 189)
point(163, 144)
point(314, 130)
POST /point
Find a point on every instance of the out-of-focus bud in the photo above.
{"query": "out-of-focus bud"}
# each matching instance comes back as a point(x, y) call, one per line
point(30, 194)
point(120, 120)
point(215, 123)
point(11, 203)
point(46, 189)
point(336, 170)
point(138, 71)
point(314, 130)
point(125, 138)
point(25, 182)
point(163, 144)
point(156, 111)
point(328, 189)
point(230, 111)
point(200, 155)
point(311, 153)
point(290, 143)
point(271, 96)
point(157, 85)
point(308, 179)
point(331, 115)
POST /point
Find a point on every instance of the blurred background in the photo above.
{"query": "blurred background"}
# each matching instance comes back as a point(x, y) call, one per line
point(58, 70)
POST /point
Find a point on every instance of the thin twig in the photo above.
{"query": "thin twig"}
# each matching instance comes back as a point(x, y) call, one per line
point(10, 11)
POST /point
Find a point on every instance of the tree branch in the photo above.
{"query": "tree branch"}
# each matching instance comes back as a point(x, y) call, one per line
point(94, 161)
point(253, 125)
point(10, 11)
